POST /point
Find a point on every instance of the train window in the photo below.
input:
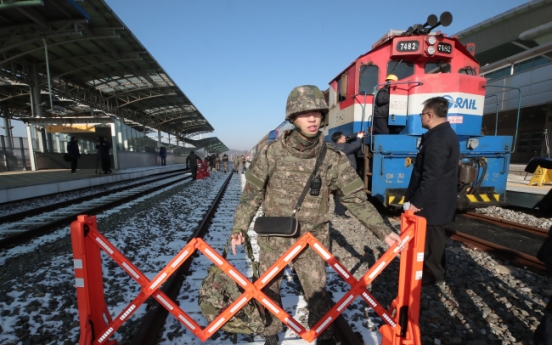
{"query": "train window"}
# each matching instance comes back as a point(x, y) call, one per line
point(342, 88)
point(401, 68)
point(368, 78)
point(467, 70)
point(437, 67)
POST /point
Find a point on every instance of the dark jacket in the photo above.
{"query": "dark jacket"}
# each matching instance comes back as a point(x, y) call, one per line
point(103, 147)
point(73, 149)
point(382, 103)
point(163, 152)
point(225, 158)
point(434, 180)
point(350, 149)
point(191, 160)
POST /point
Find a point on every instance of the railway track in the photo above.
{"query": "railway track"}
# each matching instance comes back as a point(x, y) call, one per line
point(22, 227)
point(515, 242)
point(182, 286)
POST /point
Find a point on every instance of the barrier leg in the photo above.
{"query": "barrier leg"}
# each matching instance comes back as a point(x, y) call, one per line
point(407, 303)
point(93, 313)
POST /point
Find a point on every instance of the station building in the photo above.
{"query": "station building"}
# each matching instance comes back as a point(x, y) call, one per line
point(515, 52)
point(73, 68)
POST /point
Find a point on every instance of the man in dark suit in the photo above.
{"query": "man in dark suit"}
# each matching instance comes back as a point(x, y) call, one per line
point(350, 149)
point(432, 191)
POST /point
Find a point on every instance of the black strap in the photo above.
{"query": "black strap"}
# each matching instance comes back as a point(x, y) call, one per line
point(248, 250)
point(319, 161)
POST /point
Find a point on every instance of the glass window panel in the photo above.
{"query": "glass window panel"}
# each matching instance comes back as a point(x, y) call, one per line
point(401, 69)
point(368, 78)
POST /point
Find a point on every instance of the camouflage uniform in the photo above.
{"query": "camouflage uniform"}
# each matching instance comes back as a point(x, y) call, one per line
point(217, 163)
point(276, 179)
point(236, 163)
point(242, 164)
point(225, 162)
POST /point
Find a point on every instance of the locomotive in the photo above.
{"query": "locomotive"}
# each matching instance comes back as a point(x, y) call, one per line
point(427, 64)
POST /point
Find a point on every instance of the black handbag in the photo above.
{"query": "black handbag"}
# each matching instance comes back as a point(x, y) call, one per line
point(288, 226)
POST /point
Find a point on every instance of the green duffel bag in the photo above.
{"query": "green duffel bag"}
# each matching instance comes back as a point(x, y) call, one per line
point(218, 291)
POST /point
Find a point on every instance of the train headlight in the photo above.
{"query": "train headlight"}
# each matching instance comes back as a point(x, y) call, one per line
point(431, 50)
point(472, 144)
point(431, 40)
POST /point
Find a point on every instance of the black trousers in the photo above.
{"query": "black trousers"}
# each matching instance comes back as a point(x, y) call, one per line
point(194, 172)
point(74, 161)
point(381, 126)
point(434, 257)
point(106, 164)
point(543, 333)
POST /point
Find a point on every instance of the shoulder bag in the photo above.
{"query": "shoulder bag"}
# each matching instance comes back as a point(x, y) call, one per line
point(289, 226)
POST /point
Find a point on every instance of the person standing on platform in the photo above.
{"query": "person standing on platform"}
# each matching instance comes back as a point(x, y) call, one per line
point(242, 164)
point(191, 162)
point(74, 152)
point(235, 163)
point(225, 162)
point(432, 191)
point(276, 179)
point(163, 155)
point(350, 149)
point(103, 146)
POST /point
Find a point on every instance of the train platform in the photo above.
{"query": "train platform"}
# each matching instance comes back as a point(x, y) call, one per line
point(520, 193)
point(19, 185)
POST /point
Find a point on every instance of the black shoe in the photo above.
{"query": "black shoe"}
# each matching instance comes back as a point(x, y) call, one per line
point(272, 340)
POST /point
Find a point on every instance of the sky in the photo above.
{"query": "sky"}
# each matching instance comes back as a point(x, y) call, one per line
point(238, 60)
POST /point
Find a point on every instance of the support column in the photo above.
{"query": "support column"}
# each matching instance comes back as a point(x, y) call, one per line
point(35, 92)
point(158, 138)
point(8, 130)
point(31, 150)
point(114, 146)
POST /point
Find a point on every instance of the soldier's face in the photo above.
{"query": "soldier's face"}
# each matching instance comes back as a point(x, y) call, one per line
point(309, 122)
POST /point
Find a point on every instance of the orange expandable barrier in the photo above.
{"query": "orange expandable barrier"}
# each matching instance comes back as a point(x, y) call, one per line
point(401, 321)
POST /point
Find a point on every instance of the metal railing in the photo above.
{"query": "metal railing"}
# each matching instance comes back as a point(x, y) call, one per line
point(15, 154)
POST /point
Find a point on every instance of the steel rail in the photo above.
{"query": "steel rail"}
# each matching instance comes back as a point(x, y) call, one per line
point(36, 211)
point(43, 229)
point(153, 322)
point(506, 223)
point(522, 259)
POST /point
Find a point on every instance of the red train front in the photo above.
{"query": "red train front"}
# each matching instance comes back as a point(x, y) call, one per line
point(427, 64)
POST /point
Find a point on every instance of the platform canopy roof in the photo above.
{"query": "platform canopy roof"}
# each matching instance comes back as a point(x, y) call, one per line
point(525, 27)
point(95, 64)
point(212, 145)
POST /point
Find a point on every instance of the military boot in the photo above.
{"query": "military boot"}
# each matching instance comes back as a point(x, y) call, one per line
point(272, 340)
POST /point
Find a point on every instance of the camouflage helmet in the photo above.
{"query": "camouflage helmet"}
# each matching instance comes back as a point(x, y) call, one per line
point(303, 99)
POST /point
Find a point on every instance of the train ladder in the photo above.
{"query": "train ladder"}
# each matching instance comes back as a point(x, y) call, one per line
point(97, 326)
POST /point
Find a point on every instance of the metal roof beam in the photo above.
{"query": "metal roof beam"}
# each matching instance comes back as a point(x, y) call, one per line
point(93, 65)
point(13, 57)
point(31, 14)
point(138, 89)
point(144, 98)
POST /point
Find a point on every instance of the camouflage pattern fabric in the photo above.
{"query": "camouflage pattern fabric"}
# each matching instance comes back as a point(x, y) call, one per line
point(275, 179)
point(305, 98)
point(217, 292)
point(236, 163)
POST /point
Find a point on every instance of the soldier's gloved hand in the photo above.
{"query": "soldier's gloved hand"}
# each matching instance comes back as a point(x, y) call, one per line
point(237, 240)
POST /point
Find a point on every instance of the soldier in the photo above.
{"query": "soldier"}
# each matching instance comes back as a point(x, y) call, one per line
point(295, 154)
point(235, 162)
point(242, 164)
point(225, 162)
point(217, 163)
point(191, 162)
